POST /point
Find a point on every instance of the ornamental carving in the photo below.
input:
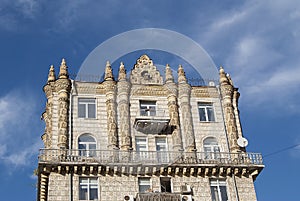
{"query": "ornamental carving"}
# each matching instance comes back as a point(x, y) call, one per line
point(63, 84)
point(204, 92)
point(149, 91)
point(144, 72)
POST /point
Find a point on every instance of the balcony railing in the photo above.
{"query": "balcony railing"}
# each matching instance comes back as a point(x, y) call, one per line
point(115, 157)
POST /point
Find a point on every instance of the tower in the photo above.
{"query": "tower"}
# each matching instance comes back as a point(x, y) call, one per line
point(143, 137)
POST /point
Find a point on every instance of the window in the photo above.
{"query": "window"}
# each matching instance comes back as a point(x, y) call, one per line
point(88, 188)
point(86, 107)
point(144, 185)
point(161, 148)
point(87, 145)
point(147, 108)
point(142, 147)
point(211, 148)
point(218, 190)
point(165, 184)
point(206, 112)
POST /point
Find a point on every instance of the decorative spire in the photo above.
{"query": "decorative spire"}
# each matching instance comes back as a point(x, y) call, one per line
point(223, 77)
point(51, 75)
point(108, 72)
point(63, 70)
point(181, 75)
point(122, 72)
point(169, 74)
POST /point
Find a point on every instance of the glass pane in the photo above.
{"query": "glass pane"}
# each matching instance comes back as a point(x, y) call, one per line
point(82, 146)
point(86, 138)
point(152, 111)
point(214, 193)
point(81, 111)
point(143, 110)
point(223, 193)
point(210, 141)
point(91, 111)
point(202, 114)
point(210, 114)
point(93, 194)
point(83, 193)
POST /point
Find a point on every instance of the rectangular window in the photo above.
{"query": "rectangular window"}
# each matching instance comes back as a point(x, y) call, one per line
point(218, 190)
point(165, 184)
point(141, 147)
point(88, 188)
point(144, 185)
point(161, 148)
point(86, 107)
point(147, 108)
point(206, 112)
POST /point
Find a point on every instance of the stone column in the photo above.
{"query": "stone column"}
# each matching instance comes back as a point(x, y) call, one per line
point(110, 92)
point(123, 108)
point(172, 92)
point(184, 94)
point(47, 115)
point(63, 88)
point(227, 92)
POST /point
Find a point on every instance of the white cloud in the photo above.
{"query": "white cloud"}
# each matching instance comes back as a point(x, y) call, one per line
point(259, 43)
point(19, 128)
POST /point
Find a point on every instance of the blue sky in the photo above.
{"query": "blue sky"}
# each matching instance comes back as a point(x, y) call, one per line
point(256, 41)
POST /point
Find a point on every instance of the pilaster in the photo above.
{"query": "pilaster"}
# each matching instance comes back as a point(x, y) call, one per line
point(184, 93)
point(63, 88)
point(227, 93)
point(110, 92)
point(172, 93)
point(123, 87)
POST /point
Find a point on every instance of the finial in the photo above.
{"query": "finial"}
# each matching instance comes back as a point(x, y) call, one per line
point(122, 72)
point(169, 74)
point(108, 72)
point(223, 77)
point(63, 70)
point(181, 75)
point(51, 75)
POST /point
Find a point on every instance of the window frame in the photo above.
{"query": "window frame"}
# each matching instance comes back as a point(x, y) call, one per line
point(211, 150)
point(148, 180)
point(89, 186)
point(87, 151)
point(142, 154)
point(148, 108)
point(215, 190)
point(84, 104)
point(208, 116)
point(162, 155)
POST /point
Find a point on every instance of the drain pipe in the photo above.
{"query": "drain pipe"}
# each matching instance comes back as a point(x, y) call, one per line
point(233, 176)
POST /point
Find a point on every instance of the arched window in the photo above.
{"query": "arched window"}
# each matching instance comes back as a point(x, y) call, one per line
point(211, 148)
point(87, 145)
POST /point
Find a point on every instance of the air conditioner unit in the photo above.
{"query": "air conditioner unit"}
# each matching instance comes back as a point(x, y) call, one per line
point(186, 197)
point(128, 198)
point(186, 189)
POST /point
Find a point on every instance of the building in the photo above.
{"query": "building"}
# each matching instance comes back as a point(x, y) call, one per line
point(144, 137)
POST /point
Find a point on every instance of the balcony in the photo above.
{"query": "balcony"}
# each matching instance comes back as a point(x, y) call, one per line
point(150, 121)
point(149, 162)
point(154, 158)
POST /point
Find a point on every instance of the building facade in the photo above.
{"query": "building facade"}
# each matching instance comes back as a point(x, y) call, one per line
point(143, 137)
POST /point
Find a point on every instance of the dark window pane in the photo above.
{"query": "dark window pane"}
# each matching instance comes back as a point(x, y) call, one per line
point(83, 193)
point(214, 193)
point(81, 111)
point(93, 194)
point(223, 193)
point(202, 114)
point(210, 114)
point(91, 111)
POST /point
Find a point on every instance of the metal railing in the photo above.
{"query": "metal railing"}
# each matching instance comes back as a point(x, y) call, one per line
point(112, 157)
